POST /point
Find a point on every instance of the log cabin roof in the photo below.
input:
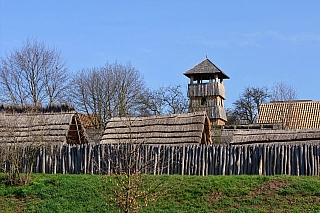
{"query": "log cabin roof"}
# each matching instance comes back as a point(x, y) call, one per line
point(190, 128)
point(64, 127)
point(292, 114)
point(206, 69)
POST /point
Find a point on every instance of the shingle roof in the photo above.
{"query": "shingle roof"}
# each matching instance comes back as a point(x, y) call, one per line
point(206, 67)
point(165, 129)
point(293, 114)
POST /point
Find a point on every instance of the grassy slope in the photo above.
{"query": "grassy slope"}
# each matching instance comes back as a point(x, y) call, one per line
point(85, 193)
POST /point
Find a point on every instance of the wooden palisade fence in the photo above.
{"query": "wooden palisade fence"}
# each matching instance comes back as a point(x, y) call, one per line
point(263, 159)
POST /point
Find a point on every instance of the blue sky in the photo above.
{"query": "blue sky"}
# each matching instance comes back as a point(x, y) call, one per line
point(256, 43)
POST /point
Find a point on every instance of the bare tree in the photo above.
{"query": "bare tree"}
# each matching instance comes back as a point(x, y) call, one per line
point(248, 104)
point(129, 86)
point(280, 91)
point(93, 92)
point(108, 91)
point(232, 116)
point(151, 103)
point(33, 74)
point(175, 99)
point(163, 100)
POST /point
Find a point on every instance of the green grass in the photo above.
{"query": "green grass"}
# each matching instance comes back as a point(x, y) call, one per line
point(86, 193)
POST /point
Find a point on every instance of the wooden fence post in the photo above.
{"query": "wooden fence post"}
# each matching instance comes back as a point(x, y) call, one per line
point(183, 160)
point(230, 159)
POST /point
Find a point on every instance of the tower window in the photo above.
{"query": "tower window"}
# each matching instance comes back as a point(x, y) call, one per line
point(203, 101)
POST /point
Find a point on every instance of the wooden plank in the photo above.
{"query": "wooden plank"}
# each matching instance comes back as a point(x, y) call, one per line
point(155, 160)
point(230, 157)
point(289, 160)
point(183, 160)
point(285, 159)
point(306, 159)
point(43, 166)
point(253, 160)
point(172, 160)
point(99, 159)
point(311, 159)
point(238, 163)
point(267, 158)
point(294, 160)
point(73, 159)
point(189, 157)
point(260, 167)
point(90, 160)
point(264, 154)
point(282, 160)
point(103, 159)
point(302, 160)
point(298, 161)
point(55, 159)
point(163, 160)
point(317, 152)
point(202, 150)
point(242, 162)
point(196, 163)
point(245, 160)
point(63, 159)
point(250, 153)
point(224, 158)
point(49, 160)
point(178, 161)
point(68, 159)
point(213, 167)
point(278, 154)
point(274, 159)
point(318, 159)
point(209, 160)
point(85, 160)
point(219, 162)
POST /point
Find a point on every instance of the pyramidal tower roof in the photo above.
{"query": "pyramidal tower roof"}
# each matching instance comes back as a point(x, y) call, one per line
point(206, 68)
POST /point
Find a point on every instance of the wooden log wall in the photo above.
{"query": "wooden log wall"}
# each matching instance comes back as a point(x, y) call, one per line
point(263, 159)
point(206, 89)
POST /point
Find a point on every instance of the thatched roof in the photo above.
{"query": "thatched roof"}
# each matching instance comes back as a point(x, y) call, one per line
point(89, 121)
point(191, 128)
point(206, 69)
point(275, 136)
point(292, 114)
point(62, 127)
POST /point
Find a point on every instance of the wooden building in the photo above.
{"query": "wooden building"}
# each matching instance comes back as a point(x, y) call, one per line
point(175, 129)
point(36, 128)
point(291, 114)
point(206, 91)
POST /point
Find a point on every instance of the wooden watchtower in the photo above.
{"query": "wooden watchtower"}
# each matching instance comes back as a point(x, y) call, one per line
point(206, 91)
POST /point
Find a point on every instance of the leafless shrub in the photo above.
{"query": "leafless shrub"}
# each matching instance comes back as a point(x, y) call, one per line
point(132, 188)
